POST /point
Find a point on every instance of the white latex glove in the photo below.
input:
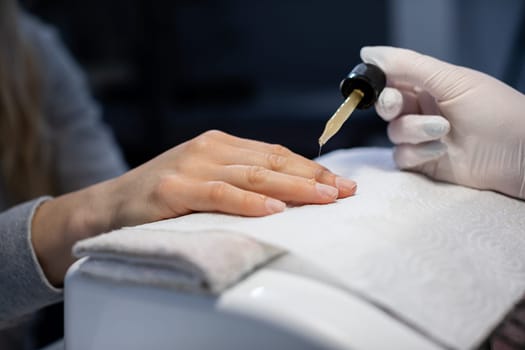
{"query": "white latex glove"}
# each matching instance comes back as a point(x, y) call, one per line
point(452, 123)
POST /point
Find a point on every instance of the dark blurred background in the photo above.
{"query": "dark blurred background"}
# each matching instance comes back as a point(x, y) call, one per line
point(165, 71)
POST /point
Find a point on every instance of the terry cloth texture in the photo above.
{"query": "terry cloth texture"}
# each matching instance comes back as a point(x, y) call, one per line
point(206, 261)
point(443, 259)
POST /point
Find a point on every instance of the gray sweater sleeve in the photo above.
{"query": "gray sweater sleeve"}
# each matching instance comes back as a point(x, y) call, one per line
point(84, 153)
point(24, 287)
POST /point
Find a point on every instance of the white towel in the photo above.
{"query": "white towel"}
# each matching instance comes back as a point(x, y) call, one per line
point(202, 261)
point(446, 260)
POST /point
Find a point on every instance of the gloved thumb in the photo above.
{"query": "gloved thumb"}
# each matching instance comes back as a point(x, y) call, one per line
point(403, 67)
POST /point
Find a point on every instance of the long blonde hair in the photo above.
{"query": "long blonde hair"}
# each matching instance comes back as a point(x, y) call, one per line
point(24, 155)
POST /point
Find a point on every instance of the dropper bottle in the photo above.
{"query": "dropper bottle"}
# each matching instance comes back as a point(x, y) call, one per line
point(361, 89)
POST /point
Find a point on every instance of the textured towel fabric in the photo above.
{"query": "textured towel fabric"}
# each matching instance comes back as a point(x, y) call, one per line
point(203, 261)
point(446, 260)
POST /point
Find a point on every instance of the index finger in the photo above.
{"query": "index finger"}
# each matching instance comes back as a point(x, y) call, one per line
point(410, 67)
point(289, 163)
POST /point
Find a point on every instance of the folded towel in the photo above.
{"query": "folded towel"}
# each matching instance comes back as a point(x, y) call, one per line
point(204, 261)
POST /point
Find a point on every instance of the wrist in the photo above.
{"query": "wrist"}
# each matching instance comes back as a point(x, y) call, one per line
point(61, 222)
point(92, 211)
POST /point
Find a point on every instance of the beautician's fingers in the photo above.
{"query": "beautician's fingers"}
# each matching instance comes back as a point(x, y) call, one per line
point(414, 128)
point(183, 196)
point(393, 102)
point(403, 66)
point(409, 156)
point(284, 187)
point(389, 103)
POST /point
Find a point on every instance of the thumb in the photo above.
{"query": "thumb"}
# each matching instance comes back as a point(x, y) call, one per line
point(403, 66)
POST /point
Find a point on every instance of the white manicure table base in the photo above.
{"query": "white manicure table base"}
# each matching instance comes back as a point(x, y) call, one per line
point(273, 308)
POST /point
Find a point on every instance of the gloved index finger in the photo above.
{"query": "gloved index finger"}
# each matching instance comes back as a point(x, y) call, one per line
point(407, 66)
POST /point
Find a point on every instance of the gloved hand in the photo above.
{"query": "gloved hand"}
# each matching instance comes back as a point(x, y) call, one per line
point(452, 123)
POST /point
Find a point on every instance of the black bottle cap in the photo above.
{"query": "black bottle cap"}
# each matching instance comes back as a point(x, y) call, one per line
point(368, 78)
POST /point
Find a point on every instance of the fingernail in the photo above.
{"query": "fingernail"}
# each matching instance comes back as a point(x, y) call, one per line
point(274, 205)
point(345, 185)
point(326, 191)
point(435, 129)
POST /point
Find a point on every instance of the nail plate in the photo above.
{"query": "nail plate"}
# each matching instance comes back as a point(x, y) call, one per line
point(345, 185)
point(326, 191)
point(274, 205)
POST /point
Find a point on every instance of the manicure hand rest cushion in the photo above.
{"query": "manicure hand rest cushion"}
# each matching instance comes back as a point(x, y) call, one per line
point(445, 260)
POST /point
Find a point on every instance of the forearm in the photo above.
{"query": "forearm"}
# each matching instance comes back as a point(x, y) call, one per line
point(60, 222)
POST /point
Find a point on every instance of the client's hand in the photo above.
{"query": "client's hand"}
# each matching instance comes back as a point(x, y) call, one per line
point(212, 172)
point(219, 172)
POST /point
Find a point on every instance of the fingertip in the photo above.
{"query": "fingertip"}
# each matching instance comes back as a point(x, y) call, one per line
point(274, 206)
point(436, 127)
point(327, 193)
point(370, 54)
point(389, 103)
point(352, 191)
point(346, 187)
point(363, 53)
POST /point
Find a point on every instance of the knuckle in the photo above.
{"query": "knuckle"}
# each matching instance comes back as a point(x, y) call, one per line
point(183, 167)
point(164, 185)
point(279, 150)
point(324, 175)
point(206, 141)
point(276, 161)
point(213, 133)
point(255, 175)
point(201, 143)
point(218, 191)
